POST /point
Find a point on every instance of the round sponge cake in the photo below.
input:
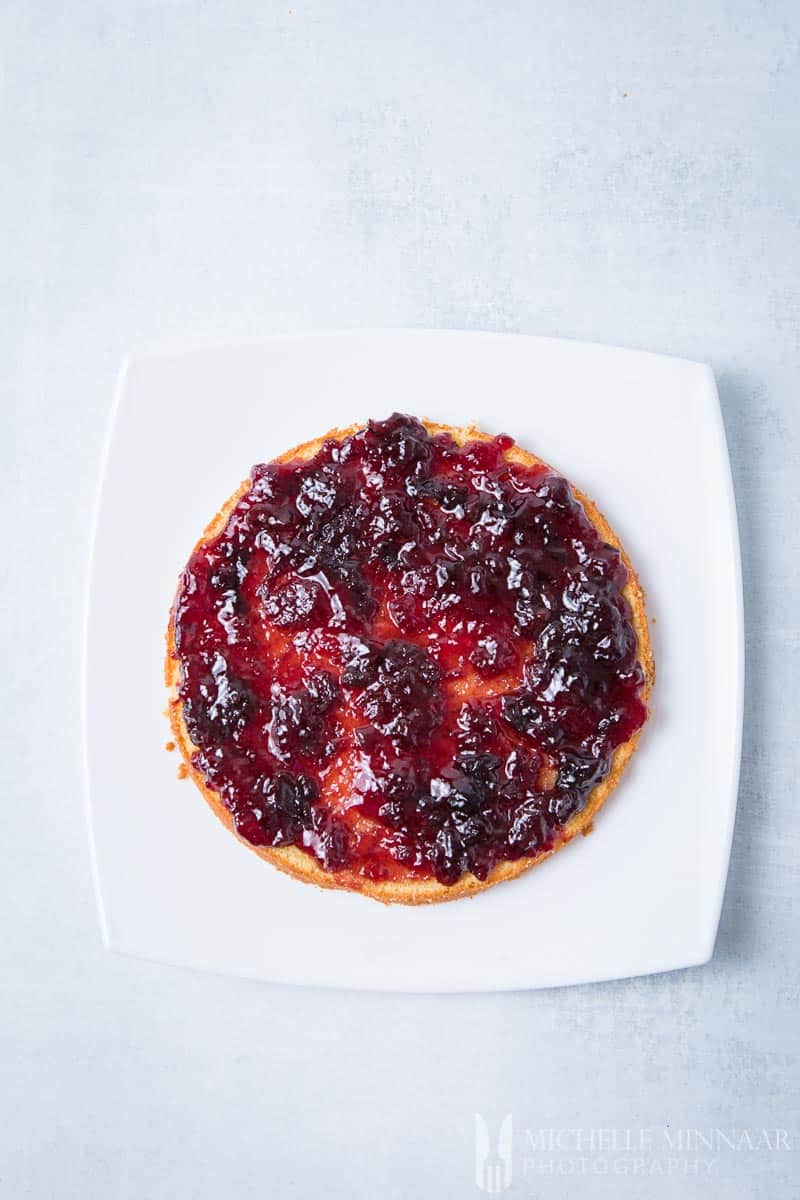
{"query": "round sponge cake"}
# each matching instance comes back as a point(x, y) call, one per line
point(408, 660)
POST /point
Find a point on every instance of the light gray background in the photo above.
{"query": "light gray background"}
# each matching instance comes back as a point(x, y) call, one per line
point(623, 172)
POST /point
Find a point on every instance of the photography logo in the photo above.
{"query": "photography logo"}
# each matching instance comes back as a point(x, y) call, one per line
point(493, 1167)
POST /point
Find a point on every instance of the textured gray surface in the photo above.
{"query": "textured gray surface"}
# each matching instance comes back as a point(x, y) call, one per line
point(626, 173)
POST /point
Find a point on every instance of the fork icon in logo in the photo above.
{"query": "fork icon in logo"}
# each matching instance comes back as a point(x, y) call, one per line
point(493, 1166)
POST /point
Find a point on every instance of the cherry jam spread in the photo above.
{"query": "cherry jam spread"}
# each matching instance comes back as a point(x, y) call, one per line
point(404, 657)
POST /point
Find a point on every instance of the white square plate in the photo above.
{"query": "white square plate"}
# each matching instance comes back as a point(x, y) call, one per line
point(642, 434)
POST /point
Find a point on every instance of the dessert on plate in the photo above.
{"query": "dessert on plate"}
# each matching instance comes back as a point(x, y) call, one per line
point(408, 660)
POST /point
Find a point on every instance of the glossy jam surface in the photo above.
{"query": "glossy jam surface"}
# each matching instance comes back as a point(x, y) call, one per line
point(405, 657)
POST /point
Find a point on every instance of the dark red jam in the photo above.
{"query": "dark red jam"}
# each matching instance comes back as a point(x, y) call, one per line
point(406, 658)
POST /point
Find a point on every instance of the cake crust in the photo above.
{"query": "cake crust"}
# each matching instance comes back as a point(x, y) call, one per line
point(413, 891)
